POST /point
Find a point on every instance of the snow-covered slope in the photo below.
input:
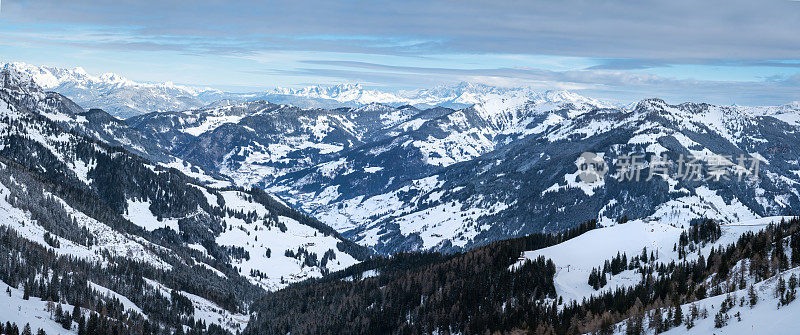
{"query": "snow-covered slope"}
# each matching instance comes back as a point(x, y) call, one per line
point(765, 317)
point(789, 113)
point(236, 209)
point(524, 178)
point(576, 258)
point(731, 307)
point(90, 202)
point(256, 142)
point(14, 309)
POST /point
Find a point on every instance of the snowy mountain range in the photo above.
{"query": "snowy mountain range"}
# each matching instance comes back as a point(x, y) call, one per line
point(253, 193)
point(518, 179)
point(115, 94)
point(404, 178)
point(71, 191)
point(124, 98)
point(461, 95)
point(486, 163)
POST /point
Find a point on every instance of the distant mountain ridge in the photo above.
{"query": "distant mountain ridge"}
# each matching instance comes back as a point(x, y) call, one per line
point(125, 98)
point(115, 94)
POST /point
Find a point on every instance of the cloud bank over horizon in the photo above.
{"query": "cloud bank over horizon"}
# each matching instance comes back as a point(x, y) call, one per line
point(722, 52)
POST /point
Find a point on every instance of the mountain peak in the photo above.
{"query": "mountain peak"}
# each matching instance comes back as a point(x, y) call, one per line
point(81, 71)
point(651, 104)
point(15, 80)
point(792, 105)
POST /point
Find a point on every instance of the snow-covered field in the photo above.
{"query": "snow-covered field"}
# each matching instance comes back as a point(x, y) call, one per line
point(139, 213)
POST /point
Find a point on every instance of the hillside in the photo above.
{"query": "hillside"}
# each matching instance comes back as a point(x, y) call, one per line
point(487, 289)
point(767, 315)
point(576, 258)
point(526, 179)
point(78, 213)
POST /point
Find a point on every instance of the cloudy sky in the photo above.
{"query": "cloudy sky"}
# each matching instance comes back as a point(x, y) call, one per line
point(724, 52)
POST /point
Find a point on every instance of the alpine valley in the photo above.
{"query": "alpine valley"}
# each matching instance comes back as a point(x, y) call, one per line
point(155, 208)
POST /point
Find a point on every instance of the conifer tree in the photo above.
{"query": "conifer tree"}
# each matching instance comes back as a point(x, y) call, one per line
point(656, 320)
point(752, 296)
point(677, 317)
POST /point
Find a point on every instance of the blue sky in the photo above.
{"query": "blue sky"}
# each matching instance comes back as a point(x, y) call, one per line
point(724, 52)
